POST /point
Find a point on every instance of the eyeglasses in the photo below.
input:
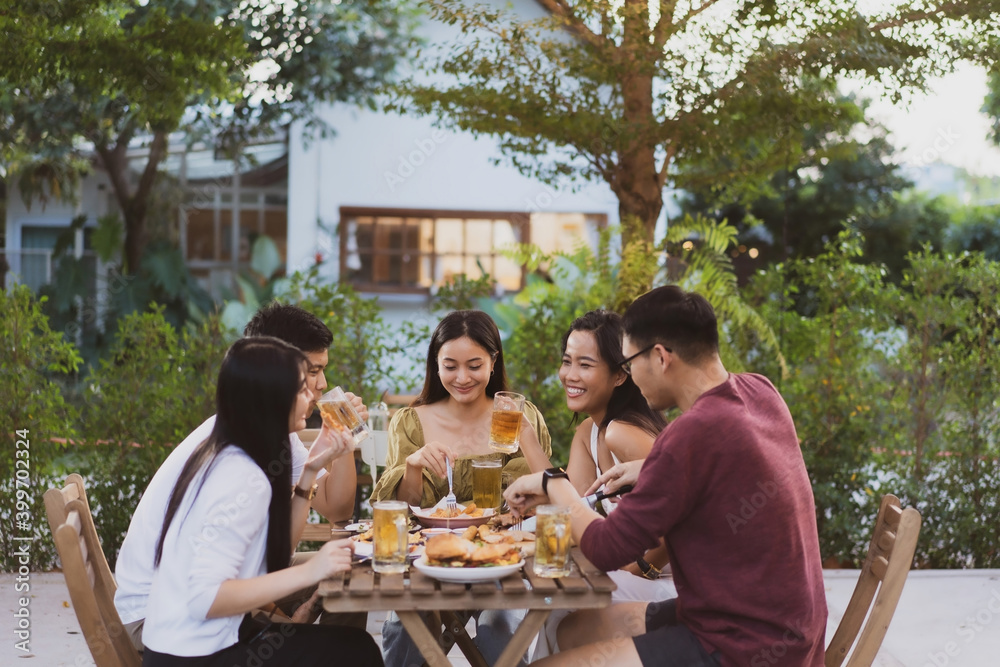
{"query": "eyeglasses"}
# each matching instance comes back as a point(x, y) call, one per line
point(627, 364)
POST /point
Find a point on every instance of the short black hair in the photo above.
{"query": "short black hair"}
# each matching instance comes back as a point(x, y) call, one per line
point(682, 321)
point(291, 324)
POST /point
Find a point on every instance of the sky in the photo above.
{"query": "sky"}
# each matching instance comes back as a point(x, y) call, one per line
point(944, 124)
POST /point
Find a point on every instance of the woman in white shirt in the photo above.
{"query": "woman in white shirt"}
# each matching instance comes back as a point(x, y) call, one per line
point(226, 542)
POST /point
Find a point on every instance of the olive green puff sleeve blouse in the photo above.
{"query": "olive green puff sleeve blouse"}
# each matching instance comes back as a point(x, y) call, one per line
point(406, 436)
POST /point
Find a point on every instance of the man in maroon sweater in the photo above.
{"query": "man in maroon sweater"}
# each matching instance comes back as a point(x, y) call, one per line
point(725, 486)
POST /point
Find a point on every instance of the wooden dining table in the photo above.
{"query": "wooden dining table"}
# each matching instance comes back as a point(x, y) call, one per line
point(411, 593)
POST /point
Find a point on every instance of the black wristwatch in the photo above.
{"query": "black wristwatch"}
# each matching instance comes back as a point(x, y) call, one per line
point(551, 473)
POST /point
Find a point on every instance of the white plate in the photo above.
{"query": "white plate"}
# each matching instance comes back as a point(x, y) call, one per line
point(466, 575)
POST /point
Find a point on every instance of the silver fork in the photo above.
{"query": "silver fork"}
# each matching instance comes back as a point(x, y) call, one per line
point(451, 506)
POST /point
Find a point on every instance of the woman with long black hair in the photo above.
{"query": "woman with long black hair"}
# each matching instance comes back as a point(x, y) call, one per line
point(618, 426)
point(225, 544)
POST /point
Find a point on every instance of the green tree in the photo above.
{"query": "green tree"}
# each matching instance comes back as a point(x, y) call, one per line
point(115, 73)
point(32, 360)
point(839, 180)
point(642, 94)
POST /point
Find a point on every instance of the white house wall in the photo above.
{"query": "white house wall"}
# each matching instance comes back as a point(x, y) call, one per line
point(391, 161)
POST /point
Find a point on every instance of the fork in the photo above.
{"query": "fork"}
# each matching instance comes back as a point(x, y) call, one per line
point(451, 506)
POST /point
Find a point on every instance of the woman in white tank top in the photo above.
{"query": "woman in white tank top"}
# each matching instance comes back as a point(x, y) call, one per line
point(618, 426)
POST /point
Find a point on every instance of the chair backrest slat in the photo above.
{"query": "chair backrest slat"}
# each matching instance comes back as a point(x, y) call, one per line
point(88, 577)
point(890, 555)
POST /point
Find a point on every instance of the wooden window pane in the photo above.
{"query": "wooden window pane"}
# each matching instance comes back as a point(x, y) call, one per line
point(479, 237)
point(507, 273)
point(449, 236)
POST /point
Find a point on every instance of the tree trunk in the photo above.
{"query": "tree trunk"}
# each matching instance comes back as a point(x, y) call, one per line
point(134, 205)
point(637, 183)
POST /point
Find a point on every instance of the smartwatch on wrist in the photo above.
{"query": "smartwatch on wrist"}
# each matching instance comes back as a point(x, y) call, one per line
point(302, 493)
point(552, 473)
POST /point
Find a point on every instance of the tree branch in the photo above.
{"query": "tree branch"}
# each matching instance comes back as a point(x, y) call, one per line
point(664, 170)
point(157, 149)
point(663, 26)
point(912, 17)
point(562, 9)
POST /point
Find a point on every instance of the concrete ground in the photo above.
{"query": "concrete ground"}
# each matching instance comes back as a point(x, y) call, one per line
point(945, 618)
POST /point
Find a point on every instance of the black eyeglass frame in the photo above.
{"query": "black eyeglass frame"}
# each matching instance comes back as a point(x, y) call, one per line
point(626, 365)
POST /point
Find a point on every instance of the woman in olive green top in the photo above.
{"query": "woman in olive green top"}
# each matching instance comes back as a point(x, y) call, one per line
point(450, 419)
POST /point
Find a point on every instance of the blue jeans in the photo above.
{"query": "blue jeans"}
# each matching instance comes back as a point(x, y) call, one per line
point(494, 628)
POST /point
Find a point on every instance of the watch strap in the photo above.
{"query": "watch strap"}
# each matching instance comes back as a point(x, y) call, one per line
point(302, 493)
point(552, 473)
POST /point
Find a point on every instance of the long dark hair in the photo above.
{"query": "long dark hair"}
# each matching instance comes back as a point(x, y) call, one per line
point(627, 404)
point(258, 383)
point(482, 330)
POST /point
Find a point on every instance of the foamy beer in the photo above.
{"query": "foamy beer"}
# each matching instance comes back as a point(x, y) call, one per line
point(335, 408)
point(552, 533)
point(505, 429)
point(391, 536)
point(486, 483)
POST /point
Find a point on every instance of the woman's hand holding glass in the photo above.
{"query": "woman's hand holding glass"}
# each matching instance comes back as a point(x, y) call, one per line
point(330, 444)
point(433, 456)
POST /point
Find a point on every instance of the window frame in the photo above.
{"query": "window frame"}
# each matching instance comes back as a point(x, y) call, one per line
point(520, 220)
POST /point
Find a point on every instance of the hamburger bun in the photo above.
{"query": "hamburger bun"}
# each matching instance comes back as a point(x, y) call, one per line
point(448, 547)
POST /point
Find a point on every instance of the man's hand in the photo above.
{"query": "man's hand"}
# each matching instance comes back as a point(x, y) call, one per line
point(329, 445)
point(358, 404)
point(617, 477)
point(434, 456)
point(525, 492)
point(334, 557)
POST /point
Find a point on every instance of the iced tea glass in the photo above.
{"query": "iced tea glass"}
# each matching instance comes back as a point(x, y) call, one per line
point(552, 537)
point(505, 429)
point(486, 479)
point(391, 536)
point(334, 406)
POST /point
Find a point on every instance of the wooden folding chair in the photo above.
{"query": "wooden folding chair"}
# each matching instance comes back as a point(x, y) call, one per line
point(883, 575)
point(88, 577)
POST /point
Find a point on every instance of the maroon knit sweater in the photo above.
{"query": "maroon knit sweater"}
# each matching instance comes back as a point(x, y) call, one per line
point(726, 486)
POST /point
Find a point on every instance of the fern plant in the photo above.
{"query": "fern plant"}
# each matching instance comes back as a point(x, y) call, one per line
point(704, 266)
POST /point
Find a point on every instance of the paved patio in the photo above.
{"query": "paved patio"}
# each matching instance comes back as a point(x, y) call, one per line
point(945, 618)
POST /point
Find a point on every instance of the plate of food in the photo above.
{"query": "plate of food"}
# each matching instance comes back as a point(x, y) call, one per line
point(453, 558)
point(438, 517)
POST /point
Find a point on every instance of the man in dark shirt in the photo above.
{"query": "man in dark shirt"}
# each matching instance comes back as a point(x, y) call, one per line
point(725, 486)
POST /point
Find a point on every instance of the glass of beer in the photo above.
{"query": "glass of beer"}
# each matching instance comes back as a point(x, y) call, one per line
point(505, 429)
point(486, 483)
point(552, 537)
point(391, 536)
point(338, 411)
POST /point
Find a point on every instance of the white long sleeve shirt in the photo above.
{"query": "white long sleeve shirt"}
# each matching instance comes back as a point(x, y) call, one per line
point(219, 533)
point(134, 568)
